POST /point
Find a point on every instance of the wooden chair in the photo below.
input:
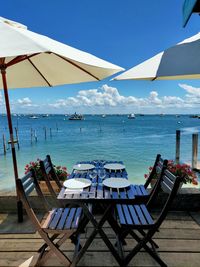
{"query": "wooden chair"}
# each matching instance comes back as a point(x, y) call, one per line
point(135, 219)
point(141, 190)
point(49, 175)
point(60, 224)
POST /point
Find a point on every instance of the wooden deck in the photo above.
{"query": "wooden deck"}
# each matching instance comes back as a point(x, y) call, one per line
point(179, 241)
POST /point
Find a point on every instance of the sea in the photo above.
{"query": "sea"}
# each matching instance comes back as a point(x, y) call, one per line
point(136, 142)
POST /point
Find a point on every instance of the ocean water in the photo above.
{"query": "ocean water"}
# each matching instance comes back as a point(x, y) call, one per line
point(136, 142)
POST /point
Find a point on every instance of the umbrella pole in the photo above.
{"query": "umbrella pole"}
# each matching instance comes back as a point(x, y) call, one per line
point(19, 203)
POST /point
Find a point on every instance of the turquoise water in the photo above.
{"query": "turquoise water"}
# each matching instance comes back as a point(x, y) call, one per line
point(136, 142)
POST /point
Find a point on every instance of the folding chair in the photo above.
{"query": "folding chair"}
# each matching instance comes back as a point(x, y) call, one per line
point(141, 190)
point(60, 224)
point(49, 175)
point(135, 219)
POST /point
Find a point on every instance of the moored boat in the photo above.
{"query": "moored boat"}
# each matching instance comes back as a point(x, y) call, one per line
point(131, 116)
point(34, 117)
point(76, 117)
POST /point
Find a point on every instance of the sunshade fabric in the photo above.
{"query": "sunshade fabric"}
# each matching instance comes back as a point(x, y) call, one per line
point(58, 63)
point(181, 61)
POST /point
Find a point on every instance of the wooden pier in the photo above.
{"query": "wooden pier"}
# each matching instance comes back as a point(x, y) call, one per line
point(179, 241)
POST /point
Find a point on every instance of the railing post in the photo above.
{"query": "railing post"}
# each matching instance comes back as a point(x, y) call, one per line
point(178, 138)
point(45, 133)
point(4, 144)
point(194, 150)
point(31, 135)
point(17, 137)
point(35, 136)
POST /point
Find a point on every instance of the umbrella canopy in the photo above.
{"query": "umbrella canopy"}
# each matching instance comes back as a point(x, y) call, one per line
point(28, 59)
point(44, 61)
point(181, 61)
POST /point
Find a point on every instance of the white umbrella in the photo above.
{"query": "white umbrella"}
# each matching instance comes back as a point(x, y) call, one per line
point(28, 59)
point(181, 61)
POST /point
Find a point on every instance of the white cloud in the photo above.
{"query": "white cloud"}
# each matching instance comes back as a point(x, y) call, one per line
point(105, 96)
point(153, 98)
point(192, 99)
point(194, 91)
point(109, 97)
point(26, 102)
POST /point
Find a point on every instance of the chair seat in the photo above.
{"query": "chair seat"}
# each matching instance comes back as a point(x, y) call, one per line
point(134, 216)
point(62, 219)
point(140, 190)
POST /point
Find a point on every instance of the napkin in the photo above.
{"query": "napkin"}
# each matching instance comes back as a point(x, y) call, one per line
point(73, 191)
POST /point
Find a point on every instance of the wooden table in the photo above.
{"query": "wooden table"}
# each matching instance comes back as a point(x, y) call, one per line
point(103, 197)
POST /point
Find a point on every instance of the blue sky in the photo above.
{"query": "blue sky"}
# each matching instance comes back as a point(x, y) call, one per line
point(123, 32)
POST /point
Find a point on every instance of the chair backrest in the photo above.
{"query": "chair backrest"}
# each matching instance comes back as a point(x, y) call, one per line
point(26, 186)
point(156, 170)
point(169, 183)
point(49, 175)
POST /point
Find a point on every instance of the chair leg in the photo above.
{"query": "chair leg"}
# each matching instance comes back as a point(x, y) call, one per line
point(125, 233)
point(54, 248)
point(153, 243)
point(43, 247)
point(142, 243)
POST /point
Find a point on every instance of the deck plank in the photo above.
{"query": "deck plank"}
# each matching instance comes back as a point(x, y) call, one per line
point(178, 240)
point(25, 259)
point(166, 245)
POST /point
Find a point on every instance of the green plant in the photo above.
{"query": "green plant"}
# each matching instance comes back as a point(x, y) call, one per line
point(61, 171)
point(181, 170)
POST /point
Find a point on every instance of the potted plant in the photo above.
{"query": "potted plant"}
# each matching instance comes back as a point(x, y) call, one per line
point(182, 170)
point(61, 172)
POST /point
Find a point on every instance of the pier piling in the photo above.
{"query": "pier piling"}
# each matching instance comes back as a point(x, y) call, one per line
point(17, 137)
point(178, 139)
point(31, 135)
point(4, 144)
point(194, 150)
point(35, 136)
point(45, 133)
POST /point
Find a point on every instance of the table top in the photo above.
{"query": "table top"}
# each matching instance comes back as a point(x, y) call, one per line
point(97, 191)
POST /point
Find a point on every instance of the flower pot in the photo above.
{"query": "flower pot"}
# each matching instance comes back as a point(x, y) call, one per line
point(44, 187)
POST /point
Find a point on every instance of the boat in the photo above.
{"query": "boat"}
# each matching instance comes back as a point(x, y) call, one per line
point(34, 117)
point(131, 116)
point(76, 117)
point(45, 115)
point(103, 115)
point(194, 116)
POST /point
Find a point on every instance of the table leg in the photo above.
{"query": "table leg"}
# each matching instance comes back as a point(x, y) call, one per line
point(97, 229)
